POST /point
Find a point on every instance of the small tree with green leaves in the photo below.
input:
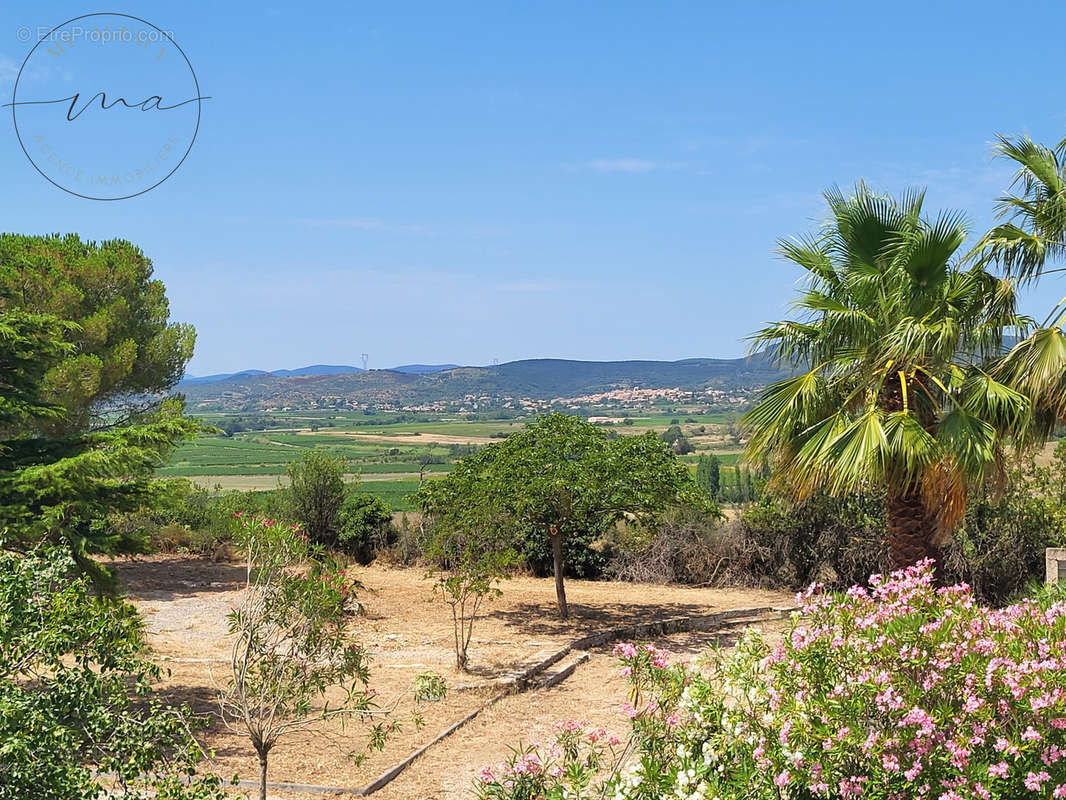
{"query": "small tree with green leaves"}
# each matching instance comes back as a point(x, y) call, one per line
point(78, 719)
point(292, 646)
point(472, 558)
point(560, 479)
point(317, 486)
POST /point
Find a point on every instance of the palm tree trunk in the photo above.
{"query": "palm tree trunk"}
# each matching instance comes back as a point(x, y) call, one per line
point(912, 528)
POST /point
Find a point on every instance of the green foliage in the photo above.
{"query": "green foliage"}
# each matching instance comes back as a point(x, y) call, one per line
point(59, 487)
point(838, 541)
point(123, 346)
point(290, 641)
point(293, 648)
point(472, 555)
point(895, 339)
point(1031, 239)
point(997, 549)
point(560, 483)
point(29, 343)
point(708, 475)
point(1034, 230)
point(684, 545)
point(566, 769)
point(365, 526)
point(318, 491)
point(1000, 546)
point(66, 462)
point(77, 711)
point(677, 441)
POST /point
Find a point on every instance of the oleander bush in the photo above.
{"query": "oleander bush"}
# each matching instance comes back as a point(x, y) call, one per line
point(898, 691)
point(80, 714)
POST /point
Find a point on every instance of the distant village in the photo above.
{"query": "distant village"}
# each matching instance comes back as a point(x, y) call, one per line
point(630, 398)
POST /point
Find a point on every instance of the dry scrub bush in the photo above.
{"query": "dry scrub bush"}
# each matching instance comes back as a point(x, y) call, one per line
point(687, 547)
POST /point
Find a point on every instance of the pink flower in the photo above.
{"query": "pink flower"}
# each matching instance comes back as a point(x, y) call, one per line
point(1030, 735)
point(1034, 780)
point(782, 778)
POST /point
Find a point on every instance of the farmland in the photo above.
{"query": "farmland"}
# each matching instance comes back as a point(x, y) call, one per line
point(388, 453)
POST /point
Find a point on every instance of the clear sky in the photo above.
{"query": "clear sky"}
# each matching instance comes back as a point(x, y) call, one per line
point(454, 182)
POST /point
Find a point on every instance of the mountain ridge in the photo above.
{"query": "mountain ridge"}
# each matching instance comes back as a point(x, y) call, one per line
point(313, 369)
point(539, 381)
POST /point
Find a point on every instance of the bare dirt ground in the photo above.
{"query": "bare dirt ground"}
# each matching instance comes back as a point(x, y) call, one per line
point(185, 602)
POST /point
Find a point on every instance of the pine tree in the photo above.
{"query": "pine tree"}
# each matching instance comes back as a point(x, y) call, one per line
point(59, 486)
point(124, 347)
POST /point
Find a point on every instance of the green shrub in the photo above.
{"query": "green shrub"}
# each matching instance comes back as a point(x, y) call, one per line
point(76, 699)
point(838, 541)
point(997, 549)
point(316, 485)
point(365, 526)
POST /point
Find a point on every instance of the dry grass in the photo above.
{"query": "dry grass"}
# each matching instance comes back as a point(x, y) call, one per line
point(185, 602)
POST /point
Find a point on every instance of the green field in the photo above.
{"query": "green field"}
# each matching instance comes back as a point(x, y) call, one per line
point(384, 452)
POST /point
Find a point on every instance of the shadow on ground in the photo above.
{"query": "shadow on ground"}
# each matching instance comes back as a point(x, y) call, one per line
point(542, 619)
point(171, 577)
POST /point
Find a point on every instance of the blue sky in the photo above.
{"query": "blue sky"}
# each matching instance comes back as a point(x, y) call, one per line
point(462, 182)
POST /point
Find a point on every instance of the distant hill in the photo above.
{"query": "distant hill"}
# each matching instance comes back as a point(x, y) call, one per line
point(192, 380)
point(541, 380)
point(317, 369)
point(314, 369)
point(424, 369)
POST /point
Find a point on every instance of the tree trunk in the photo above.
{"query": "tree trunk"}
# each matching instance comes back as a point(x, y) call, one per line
point(912, 529)
point(557, 559)
point(263, 776)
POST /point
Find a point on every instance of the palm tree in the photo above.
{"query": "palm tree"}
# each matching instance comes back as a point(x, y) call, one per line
point(892, 341)
point(1034, 227)
point(1031, 237)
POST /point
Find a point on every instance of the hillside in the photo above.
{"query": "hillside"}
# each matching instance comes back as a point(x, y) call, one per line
point(538, 380)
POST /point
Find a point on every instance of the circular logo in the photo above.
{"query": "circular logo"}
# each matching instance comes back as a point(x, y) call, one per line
point(106, 106)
